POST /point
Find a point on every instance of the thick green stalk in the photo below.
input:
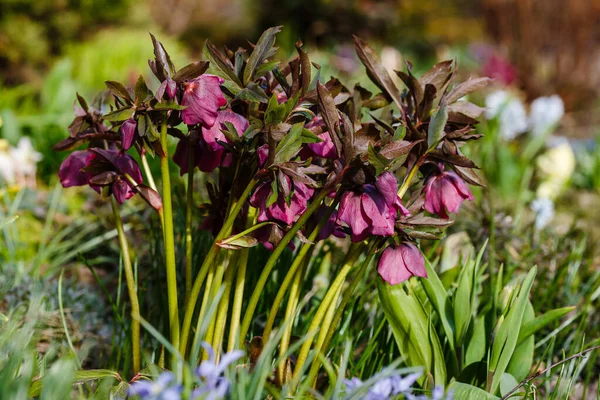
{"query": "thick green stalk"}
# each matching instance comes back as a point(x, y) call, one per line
point(210, 257)
point(189, 254)
point(131, 287)
point(335, 313)
point(322, 310)
point(169, 239)
point(216, 285)
point(223, 308)
point(238, 296)
point(148, 172)
point(205, 306)
point(262, 280)
point(290, 313)
point(292, 271)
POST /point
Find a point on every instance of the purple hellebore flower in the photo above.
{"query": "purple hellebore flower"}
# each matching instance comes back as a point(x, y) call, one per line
point(373, 210)
point(281, 210)
point(161, 389)
point(211, 373)
point(205, 159)
point(99, 167)
point(263, 155)
point(168, 86)
point(128, 131)
point(444, 193)
point(326, 148)
point(398, 263)
point(203, 97)
point(213, 134)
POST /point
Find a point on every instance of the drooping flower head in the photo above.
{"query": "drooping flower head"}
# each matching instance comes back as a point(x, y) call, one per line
point(202, 97)
point(444, 193)
point(325, 148)
point(373, 209)
point(99, 167)
point(398, 263)
point(128, 132)
point(283, 210)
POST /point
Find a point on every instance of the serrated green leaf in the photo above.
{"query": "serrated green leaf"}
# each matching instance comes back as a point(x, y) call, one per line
point(141, 90)
point(191, 71)
point(435, 131)
point(118, 90)
point(376, 160)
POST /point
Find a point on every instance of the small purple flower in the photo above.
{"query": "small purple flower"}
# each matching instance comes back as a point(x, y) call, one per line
point(325, 148)
point(99, 167)
point(373, 210)
point(168, 86)
point(385, 388)
point(214, 384)
point(128, 132)
point(203, 97)
point(444, 193)
point(281, 210)
point(160, 389)
point(398, 263)
point(213, 134)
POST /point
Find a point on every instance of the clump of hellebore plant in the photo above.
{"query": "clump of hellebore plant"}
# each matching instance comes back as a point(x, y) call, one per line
point(293, 158)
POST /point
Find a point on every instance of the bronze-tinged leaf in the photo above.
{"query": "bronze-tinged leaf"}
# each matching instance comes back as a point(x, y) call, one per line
point(466, 87)
point(424, 108)
point(82, 102)
point(435, 132)
point(120, 115)
point(76, 126)
point(465, 108)
point(459, 132)
point(377, 71)
point(454, 159)
point(330, 115)
point(150, 196)
point(262, 51)
point(305, 66)
point(255, 348)
point(396, 149)
point(438, 75)
point(423, 220)
point(71, 143)
point(118, 90)
point(164, 65)
point(141, 90)
point(469, 176)
point(191, 71)
point(221, 64)
point(413, 86)
point(238, 243)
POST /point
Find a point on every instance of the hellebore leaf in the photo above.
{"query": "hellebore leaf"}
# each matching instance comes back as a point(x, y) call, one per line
point(71, 143)
point(221, 64)
point(376, 160)
point(464, 88)
point(437, 75)
point(82, 102)
point(398, 148)
point(305, 67)
point(330, 115)
point(376, 71)
point(290, 145)
point(151, 196)
point(435, 132)
point(141, 90)
point(265, 68)
point(168, 105)
point(164, 65)
point(252, 92)
point(238, 243)
point(262, 51)
point(120, 114)
point(191, 71)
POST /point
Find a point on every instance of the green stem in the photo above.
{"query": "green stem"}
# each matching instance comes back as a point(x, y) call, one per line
point(322, 310)
point(292, 272)
point(169, 239)
point(238, 296)
point(290, 312)
point(223, 308)
point(131, 287)
point(335, 314)
point(245, 232)
point(262, 280)
point(210, 257)
point(205, 305)
point(189, 254)
point(148, 172)
point(216, 285)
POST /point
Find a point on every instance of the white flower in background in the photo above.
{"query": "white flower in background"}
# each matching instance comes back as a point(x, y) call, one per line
point(391, 59)
point(544, 212)
point(555, 168)
point(7, 167)
point(18, 165)
point(510, 111)
point(545, 113)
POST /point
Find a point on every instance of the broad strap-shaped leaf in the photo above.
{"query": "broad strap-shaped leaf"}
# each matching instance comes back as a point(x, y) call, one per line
point(377, 71)
point(534, 325)
point(262, 51)
point(81, 376)
point(463, 391)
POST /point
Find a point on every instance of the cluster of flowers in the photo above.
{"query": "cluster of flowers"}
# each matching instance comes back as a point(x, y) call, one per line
point(303, 141)
point(212, 383)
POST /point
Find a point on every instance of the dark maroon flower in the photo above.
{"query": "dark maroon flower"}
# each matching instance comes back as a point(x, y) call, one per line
point(206, 159)
point(168, 86)
point(128, 131)
point(444, 193)
point(372, 210)
point(398, 263)
point(280, 210)
point(263, 155)
point(99, 167)
point(203, 97)
point(70, 172)
point(213, 134)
